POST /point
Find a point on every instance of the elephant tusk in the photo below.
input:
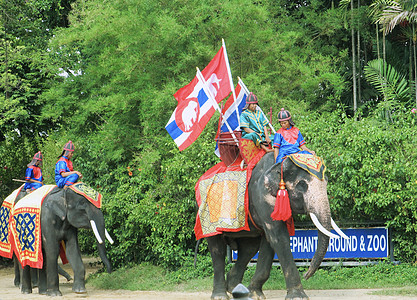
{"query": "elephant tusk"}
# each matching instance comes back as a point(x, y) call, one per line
point(338, 230)
point(321, 228)
point(94, 227)
point(108, 237)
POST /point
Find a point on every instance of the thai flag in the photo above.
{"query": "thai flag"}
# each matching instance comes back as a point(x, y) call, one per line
point(229, 111)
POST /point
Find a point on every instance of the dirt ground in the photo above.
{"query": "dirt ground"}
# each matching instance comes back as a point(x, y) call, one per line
point(9, 291)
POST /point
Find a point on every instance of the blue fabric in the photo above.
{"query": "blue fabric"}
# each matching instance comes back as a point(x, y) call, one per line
point(255, 121)
point(35, 173)
point(69, 180)
point(288, 141)
point(32, 185)
point(64, 165)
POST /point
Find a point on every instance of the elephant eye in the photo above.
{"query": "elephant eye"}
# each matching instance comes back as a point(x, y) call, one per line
point(301, 186)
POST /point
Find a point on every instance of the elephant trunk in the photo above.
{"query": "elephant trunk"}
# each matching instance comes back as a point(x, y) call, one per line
point(322, 244)
point(319, 209)
point(97, 225)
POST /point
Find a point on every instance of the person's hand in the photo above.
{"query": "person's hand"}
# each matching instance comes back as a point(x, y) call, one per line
point(267, 139)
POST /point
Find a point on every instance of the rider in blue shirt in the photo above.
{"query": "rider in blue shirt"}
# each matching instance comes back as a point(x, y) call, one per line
point(288, 139)
point(33, 176)
point(64, 171)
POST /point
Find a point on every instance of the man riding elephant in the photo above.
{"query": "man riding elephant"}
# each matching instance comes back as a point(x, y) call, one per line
point(253, 123)
point(33, 175)
point(64, 171)
point(65, 175)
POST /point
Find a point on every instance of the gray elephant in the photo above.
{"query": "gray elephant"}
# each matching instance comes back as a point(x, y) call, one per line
point(33, 272)
point(308, 195)
point(60, 219)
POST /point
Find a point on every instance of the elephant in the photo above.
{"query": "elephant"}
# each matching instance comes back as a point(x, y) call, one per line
point(34, 272)
point(62, 213)
point(308, 195)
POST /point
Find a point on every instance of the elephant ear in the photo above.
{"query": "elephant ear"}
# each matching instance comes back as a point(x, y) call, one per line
point(57, 205)
point(271, 178)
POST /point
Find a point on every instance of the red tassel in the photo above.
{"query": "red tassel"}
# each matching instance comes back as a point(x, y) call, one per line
point(282, 210)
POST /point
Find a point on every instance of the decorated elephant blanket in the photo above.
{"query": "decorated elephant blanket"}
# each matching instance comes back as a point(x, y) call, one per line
point(6, 211)
point(26, 227)
point(310, 163)
point(90, 194)
point(222, 199)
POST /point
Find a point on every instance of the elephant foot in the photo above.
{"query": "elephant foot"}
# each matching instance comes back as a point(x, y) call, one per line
point(257, 294)
point(79, 290)
point(42, 292)
point(54, 293)
point(26, 290)
point(296, 295)
point(219, 296)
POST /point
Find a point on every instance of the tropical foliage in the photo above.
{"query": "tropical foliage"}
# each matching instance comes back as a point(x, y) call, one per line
point(102, 74)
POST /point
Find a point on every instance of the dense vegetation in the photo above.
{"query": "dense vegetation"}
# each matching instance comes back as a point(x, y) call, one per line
point(102, 74)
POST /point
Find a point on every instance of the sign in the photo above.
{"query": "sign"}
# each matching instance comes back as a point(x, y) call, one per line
point(364, 243)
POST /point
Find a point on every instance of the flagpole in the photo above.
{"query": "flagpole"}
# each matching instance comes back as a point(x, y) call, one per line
point(231, 81)
point(216, 106)
point(260, 109)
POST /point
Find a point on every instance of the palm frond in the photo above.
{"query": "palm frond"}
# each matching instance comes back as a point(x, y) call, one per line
point(386, 80)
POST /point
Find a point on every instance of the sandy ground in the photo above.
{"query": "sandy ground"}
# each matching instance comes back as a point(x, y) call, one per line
point(9, 291)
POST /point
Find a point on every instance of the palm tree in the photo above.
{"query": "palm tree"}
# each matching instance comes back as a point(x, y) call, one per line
point(397, 12)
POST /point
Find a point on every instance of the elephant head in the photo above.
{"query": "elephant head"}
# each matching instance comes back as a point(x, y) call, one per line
point(81, 213)
point(308, 195)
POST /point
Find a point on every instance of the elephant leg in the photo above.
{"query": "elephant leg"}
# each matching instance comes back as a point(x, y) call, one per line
point(26, 285)
point(217, 248)
point(16, 271)
point(42, 288)
point(73, 254)
point(263, 270)
point(52, 280)
point(277, 235)
point(34, 277)
point(247, 248)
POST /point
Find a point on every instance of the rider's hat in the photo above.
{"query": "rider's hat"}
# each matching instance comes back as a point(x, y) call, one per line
point(284, 115)
point(69, 146)
point(38, 156)
point(252, 98)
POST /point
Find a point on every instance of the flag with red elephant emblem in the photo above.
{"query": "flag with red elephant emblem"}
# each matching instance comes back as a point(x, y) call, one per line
point(195, 101)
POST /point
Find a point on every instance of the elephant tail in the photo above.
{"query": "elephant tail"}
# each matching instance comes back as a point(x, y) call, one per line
point(195, 252)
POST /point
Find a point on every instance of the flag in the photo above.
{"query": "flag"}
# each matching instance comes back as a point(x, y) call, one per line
point(195, 108)
point(190, 116)
point(217, 77)
point(229, 112)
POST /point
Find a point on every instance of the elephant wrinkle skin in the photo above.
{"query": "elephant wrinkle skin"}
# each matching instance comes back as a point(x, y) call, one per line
point(60, 219)
point(307, 195)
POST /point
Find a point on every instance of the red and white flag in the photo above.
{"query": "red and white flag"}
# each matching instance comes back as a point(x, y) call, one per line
point(195, 107)
point(216, 75)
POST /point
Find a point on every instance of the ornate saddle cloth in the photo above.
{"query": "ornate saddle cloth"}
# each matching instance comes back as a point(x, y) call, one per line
point(311, 163)
point(90, 194)
point(222, 198)
point(26, 227)
point(6, 211)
